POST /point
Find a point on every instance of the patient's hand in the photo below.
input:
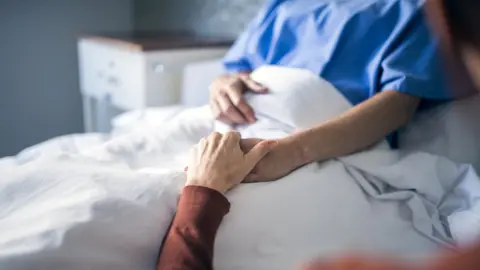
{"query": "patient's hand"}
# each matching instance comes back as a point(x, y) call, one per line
point(284, 158)
point(218, 162)
point(226, 98)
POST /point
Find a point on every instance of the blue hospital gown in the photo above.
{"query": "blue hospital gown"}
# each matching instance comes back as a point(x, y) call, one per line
point(361, 46)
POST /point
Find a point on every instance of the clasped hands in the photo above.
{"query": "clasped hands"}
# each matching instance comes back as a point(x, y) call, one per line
point(277, 158)
point(221, 161)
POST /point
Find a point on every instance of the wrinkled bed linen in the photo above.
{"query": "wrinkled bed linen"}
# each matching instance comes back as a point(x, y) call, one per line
point(109, 206)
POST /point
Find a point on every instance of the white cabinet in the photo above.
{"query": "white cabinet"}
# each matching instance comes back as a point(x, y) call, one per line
point(118, 75)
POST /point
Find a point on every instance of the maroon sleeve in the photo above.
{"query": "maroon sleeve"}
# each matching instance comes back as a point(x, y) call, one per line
point(189, 242)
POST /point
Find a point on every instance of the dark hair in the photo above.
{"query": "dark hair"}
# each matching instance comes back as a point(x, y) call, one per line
point(463, 18)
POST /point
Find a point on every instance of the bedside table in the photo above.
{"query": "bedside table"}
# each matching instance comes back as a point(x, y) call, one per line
point(134, 71)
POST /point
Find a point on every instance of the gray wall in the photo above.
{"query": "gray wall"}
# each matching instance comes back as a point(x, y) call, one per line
point(39, 93)
point(210, 17)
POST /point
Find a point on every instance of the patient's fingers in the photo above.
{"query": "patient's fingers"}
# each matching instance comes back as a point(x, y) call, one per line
point(236, 97)
point(217, 112)
point(255, 177)
point(247, 144)
point(215, 108)
point(252, 177)
point(258, 152)
point(229, 110)
point(253, 85)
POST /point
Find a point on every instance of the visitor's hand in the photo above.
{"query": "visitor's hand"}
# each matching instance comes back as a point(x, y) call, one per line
point(218, 162)
point(226, 98)
point(284, 158)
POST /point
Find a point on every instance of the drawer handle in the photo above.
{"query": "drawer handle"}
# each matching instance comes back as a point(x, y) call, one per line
point(158, 68)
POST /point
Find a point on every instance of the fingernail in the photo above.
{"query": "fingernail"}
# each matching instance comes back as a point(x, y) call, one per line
point(272, 143)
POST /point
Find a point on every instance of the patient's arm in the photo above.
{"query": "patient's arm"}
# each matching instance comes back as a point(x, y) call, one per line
point(354, 130)
point(358, 128)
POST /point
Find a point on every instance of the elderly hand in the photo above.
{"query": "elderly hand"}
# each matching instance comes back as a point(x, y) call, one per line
point(226, 98)
point(284, 158)
point(219, 163)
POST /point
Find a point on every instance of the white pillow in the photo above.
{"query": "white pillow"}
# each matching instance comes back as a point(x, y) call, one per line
point(451, 130)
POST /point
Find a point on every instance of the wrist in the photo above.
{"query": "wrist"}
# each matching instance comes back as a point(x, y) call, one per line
point(202, 202)
point(206, 184)
point(298, 150)
point(305, 145)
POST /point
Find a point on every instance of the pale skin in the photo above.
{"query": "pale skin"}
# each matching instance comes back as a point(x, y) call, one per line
point(357, 129)
point(217, 161)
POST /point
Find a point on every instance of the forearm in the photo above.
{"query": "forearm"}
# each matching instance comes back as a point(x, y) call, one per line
point(358, 128)
point(189, 242)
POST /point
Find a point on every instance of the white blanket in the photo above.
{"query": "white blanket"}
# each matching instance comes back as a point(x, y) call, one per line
point(108, 207)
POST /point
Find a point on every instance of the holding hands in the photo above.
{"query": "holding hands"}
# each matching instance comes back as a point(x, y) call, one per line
point(285, 157)
point(218, 162)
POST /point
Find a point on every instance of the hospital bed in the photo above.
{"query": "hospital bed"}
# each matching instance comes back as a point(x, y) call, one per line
point(96, 201)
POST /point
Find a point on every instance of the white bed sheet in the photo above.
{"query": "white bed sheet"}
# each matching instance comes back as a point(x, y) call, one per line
point(108, 206)
point(453, 131)
point(130, 122)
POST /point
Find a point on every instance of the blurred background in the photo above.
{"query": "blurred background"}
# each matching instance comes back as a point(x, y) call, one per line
point(39, 73)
